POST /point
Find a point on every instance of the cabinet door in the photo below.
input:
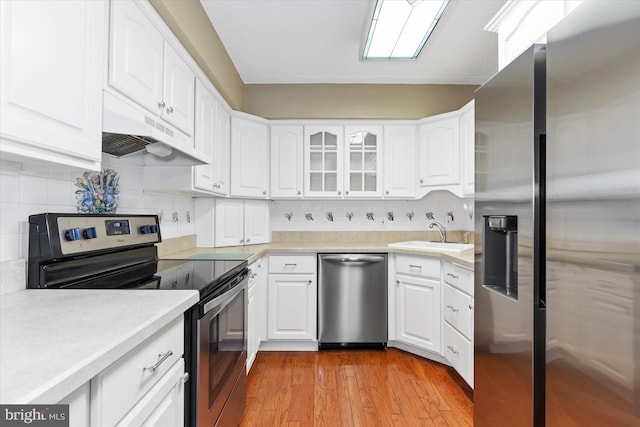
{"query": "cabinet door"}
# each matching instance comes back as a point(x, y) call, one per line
point(229, 228)
point(399, 161)
point(252, 308)
point(286, 161)
point(323, 164)
point(249, 158)
point(179, 92)
point(221, 152)
point(467, 145)
point(51, 78)
point(205, 133)
point(418, 310)
point(257, 224)
point(79, 403)
point(439, 152)
point(291, 309)
point(363, 149)
point(136, 56)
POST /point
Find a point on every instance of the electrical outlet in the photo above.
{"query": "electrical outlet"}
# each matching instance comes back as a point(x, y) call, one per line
point(448, 219)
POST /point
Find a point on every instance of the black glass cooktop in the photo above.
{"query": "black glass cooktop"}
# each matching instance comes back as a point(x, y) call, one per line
point(203, 275)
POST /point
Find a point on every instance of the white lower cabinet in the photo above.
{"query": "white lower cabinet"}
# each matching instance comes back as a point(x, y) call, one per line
point(144, 387)
point(79, 406)
point(457, 307)
point(255, 312)
point(418, 311)
point(292, 297)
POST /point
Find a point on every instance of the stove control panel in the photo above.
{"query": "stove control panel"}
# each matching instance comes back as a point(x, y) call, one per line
point(87, 233)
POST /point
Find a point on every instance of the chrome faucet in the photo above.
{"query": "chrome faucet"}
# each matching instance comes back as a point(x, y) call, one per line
point(441, 230)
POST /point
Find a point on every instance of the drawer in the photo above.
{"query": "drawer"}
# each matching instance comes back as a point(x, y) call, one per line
point(459, 352)
point(294, 264)
point(119, 387)
point(458, 309)
point(458, 277)
point(419, 266)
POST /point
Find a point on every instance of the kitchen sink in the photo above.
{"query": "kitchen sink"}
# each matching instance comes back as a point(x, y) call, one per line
point(432, 246)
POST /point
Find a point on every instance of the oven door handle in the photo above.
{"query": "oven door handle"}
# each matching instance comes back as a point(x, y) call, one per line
point(224, 299)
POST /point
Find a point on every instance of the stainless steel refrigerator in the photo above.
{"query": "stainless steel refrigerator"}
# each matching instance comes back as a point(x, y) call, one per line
point(557, 270)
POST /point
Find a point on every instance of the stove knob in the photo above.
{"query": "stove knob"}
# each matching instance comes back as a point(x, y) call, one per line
point(72, 234)
point(154, 228)
point(145, 229)
point(89, 233)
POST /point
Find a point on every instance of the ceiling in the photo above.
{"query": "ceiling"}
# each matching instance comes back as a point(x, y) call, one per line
point(320, 41)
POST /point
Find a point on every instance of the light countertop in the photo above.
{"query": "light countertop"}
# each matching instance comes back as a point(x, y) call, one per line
point(463, 258)
point(53, 341)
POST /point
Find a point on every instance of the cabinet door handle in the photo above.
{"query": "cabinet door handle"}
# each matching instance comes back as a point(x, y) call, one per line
point(247, 241)
point(299, 193)
point(452, 275)
point(453, 350)
point(161, 104)
point(170, 110)
point(386, 192)
point(185, 377)
point(422, 181)
point(470, 307)
point(241, 240)
point(339, 193)
point(309, 282)
point(452, 308)
point(397, 282)
point(346, 192)
point(162, 357)
point(264, 192)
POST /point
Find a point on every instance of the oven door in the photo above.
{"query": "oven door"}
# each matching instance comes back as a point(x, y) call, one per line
point(222, 344)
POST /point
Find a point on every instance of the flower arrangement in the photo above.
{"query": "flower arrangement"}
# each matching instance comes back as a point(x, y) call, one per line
point(98, 192)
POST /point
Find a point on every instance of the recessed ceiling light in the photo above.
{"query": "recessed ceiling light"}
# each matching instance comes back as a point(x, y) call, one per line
point(400, 28)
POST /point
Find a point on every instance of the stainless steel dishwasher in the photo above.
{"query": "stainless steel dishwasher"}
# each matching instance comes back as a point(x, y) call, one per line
point(352, 300)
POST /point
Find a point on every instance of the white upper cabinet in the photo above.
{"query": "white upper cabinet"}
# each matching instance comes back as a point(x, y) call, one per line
point(323, 163)
point(241, 222)
point(206, 110)
point(51, 79)
point(257, 222)
point(286, 161)
point(467, 147)
point(144, 67)
point(136, 57)
point(179, 91)
point(222, 152)
point(399, 161)
point(363, 149)
point(249, 158)
point(439, 151)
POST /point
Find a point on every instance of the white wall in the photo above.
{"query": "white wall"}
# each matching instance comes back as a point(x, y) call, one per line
point(438, 202)
point(27, 192)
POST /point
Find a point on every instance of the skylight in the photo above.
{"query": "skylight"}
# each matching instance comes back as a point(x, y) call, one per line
point(400, 28)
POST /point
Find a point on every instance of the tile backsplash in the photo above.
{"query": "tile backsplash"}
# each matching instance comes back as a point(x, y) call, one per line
point(26, 192)
point(372, 215)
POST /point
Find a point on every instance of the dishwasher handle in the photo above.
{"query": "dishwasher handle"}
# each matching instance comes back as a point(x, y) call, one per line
point(349, 258)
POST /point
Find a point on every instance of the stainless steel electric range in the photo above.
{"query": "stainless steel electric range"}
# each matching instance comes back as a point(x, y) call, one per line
point(79, 251)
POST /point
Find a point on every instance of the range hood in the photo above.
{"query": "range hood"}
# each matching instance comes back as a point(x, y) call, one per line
point(128, 129)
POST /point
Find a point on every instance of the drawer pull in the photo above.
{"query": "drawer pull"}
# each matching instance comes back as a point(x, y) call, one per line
point(293, 265)
point(162, 357)
point(452, 275)
point(453, 350)
point(419, 267)
point(452, 308)
point(253, 275)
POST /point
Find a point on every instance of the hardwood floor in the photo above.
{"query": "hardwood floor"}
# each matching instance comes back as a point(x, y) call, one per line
point(354, 388)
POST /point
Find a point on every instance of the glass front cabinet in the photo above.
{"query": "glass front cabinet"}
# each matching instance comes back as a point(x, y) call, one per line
point(343, 161)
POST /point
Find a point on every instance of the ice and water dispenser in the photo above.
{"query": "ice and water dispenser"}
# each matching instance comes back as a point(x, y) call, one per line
point(500, 254)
